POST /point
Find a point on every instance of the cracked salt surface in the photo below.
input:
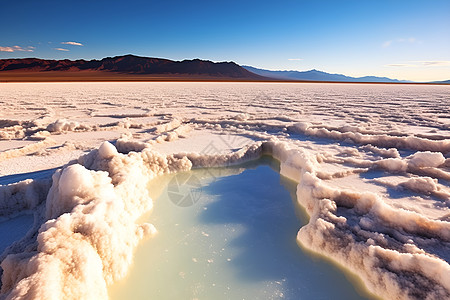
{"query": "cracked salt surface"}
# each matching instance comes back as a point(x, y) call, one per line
point(371, 165)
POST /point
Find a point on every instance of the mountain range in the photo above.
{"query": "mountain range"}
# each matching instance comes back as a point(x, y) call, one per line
point(131, 64)
point(138, 68)
point(315, 75)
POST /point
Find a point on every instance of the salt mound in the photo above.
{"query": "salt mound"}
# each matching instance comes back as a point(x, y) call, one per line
point(62, 125)
point(424, 185)
point(426, 159)
point(107, 150)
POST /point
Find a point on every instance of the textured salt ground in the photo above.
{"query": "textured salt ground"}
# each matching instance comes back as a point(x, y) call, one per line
point(388, 141)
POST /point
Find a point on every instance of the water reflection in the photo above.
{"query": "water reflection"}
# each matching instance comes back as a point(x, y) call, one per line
point(237, 242)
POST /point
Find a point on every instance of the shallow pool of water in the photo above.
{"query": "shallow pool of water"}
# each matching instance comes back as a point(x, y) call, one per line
point(229, 234)
point(14, 229)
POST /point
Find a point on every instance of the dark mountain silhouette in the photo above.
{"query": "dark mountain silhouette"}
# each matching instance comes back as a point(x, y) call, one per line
point(315, 75)
point(137, 68)
point(131, 64)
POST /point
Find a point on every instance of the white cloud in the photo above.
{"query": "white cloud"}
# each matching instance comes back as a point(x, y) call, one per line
point(410, 40)
point(401, 40)
point(386, 44)
point(422, 63)
point(434, 63)
point(400, 65)
point(295, 59)
point(16, 48)
point(72, 43)
point(61, 49)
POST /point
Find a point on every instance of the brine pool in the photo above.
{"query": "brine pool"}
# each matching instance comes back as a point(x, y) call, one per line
point(230, 233)
point(14, 229)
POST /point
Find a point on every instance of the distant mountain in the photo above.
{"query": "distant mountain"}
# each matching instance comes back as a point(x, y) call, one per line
point(131, 64)
point(445, 81)
point(315, 75)
point(132, 67)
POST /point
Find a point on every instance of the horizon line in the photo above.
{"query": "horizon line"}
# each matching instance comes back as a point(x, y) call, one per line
point(231, 61)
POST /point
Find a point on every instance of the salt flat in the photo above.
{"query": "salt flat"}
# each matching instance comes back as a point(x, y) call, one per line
point(371, 162)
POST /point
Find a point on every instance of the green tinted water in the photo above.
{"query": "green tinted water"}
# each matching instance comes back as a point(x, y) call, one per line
point(229, 234)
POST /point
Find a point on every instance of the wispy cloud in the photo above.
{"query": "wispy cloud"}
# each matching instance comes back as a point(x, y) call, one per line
point(400, 65)
point(72, 43)
point(295, 59)
point(16, 48)
point(434, 63)
point(401, 40)
point(410, 40)
point(422, 63)
point(61, 49)
point(386, 44)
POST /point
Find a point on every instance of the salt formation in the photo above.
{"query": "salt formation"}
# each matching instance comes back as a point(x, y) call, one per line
point(375, 185)
point(89, 235)
point(90, 232)
point(382, 246)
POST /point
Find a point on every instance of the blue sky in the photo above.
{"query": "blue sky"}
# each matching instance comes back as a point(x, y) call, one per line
point(398, 39)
